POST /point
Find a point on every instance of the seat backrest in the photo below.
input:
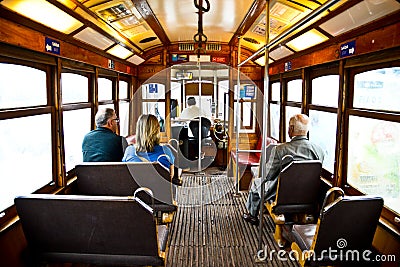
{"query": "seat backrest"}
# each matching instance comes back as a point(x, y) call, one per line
point(89, 229)
point(351, 220)
point(205, 127)
point(123, 178)
point(298, 186)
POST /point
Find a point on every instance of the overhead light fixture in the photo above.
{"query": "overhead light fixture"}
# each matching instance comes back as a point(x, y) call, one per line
point(280, 52)
point(90, 36)
point(135, 59)
point(119, 51)
point(261, 61)
point(45, 13)
point(306, 40)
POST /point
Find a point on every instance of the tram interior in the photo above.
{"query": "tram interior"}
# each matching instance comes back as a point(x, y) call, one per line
point(248, 66)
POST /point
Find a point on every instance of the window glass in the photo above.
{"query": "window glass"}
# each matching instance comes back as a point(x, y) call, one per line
point(124, 118)
point(153, 91)
point(158, 110)
point(25, 156)
point(325, 90)
point(276, 91)
point(175, 96)
point(294, 90)
point(274, 123)
point(123, 90)
point(74, 88)
point(105, 89)
point(322, 132)
point(290, 111)
point(73, 136)
point(223, 87)
point(17, 92)
point(378, 89)
point(374, 158)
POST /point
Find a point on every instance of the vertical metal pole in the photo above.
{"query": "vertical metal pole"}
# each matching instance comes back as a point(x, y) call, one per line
point(200, 107)
point(265, 121)
point(237, 113)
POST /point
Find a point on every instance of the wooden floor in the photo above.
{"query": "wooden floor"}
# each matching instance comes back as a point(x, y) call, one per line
point(208, 229)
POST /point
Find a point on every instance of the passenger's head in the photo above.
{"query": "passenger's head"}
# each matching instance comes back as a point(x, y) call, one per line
point(147, 133)
point(107, 118)
point(191, 101)
point(298, 125)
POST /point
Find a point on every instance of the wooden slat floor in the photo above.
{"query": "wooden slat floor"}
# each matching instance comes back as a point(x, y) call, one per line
point(208, 229)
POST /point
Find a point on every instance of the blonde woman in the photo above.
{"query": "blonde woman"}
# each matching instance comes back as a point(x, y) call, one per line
point(147, 147)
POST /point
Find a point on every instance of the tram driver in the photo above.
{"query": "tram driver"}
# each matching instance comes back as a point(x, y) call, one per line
point(300, 148)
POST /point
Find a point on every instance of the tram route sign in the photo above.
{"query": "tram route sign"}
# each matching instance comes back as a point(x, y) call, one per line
point(348, 49)
point(52, 46)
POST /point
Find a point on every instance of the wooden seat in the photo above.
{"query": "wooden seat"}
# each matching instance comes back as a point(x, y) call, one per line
point(297, 195)
point(123, 178)
point(345, 228)
point(117, 231)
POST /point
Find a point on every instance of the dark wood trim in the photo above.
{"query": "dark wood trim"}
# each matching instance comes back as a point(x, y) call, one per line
point(151, 19)
point(254, 12)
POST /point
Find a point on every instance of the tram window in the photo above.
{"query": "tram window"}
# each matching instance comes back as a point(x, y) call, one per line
point(124, 118)
point(74, 88)
point(123, 90)
point(158, 110)
point(290, 111)
point(374, 158)
point(325, 91)
point(153, 91)
point(274, 120)
point(25, 157)
point(176, 94)
point(105, 89)
point(73, 136)
point(17, 92)
point(247, 107)
point(276, 91)
point(377, 89)
point(154, 96)
point(223, 88)
point(294, 90)
point(323, 132)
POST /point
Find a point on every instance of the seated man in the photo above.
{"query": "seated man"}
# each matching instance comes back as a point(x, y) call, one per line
point(300, 148)
point(192, 111)
point(103, 144)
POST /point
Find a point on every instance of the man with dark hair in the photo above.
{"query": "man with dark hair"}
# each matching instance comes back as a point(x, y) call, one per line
point(300, 148)
point(103, 144)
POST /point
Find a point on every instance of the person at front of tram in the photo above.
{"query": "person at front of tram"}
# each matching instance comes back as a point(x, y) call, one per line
point(192, 111)
point(103, 144)
point(299, 147)
point(147, 146)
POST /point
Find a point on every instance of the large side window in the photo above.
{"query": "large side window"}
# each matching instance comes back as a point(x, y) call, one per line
point(123, 98)
point(374, 137)
point(323, 116)
point(274, 109)
point(153, 95)
point(293, 103)
point(25, 138)
point(75, 90)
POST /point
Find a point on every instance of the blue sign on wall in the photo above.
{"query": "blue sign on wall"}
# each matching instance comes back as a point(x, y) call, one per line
point(250, 91)
point(288, 66)
point(348, 49)
point(52, 46)
point(153, 88)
